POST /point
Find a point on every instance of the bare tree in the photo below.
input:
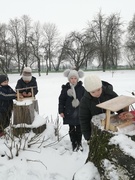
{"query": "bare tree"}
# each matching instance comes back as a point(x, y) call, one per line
point(35, 42)
point(16, 32)
point(2, 64)
point(50, 43)
point(130, 42)
point(6, 47)
point(60, 57)
point(77, 49)
point(106, 33)
point(26, 31)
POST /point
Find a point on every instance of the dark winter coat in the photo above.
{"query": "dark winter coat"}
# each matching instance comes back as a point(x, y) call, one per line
point(88, 109)
point(65, 104)
point(32, 83)
point(7, 94)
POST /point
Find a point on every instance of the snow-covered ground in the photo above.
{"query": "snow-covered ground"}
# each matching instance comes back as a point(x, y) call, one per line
point(48, 159)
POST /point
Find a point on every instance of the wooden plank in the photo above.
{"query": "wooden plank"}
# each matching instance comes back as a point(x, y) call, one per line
point(18, 98)
point(116, 123)
point(117, 103)
point(26, 98)
point(107, 120)
point(26, 88)
point(129, 122)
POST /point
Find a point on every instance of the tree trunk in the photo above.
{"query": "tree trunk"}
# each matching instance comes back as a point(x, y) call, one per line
point(23, 117)
point(24, 113)
point(101, 150)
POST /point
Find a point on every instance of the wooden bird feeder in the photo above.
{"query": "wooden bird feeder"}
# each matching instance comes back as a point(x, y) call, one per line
point(32, 93)
point(112, 122)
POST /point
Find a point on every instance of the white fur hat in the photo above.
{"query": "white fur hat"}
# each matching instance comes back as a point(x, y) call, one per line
point(92, 82)
point(27, 75)
point(70, 73)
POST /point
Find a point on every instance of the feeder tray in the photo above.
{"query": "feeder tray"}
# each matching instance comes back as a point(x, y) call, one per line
point(112, 122)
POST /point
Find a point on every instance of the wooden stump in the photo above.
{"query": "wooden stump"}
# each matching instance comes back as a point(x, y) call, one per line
point(100, 150)
point(24, 113)
point(24, 116)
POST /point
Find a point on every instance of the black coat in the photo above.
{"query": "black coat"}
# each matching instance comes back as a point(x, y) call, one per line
point(65, 104)
point(33, 83)
point(7, 94)
point(88, 107)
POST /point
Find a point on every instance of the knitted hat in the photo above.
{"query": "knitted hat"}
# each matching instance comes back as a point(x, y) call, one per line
point(70, 73)
point(27, 75)
point(92, 83)
point(3, 78)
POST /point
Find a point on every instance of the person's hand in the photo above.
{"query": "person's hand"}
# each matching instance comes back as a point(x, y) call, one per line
point(62, 115)
point(126, 115)
point(20, 96)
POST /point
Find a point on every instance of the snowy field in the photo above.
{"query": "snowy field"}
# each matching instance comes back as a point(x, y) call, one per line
point(52, 160)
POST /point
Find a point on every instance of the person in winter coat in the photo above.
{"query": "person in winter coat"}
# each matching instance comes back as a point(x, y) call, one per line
point(27, 81)
point(69, 100)
point(97, 91)
point(7, 94)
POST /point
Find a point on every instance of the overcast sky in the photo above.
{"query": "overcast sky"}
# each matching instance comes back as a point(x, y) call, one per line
point(67, 15)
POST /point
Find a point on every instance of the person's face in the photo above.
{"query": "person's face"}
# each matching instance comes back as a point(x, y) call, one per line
point(26, 82)
point(73, 80)
point(96, 93)
point(5, 83)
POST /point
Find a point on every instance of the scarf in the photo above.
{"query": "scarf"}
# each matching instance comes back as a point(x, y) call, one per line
point(71, 92)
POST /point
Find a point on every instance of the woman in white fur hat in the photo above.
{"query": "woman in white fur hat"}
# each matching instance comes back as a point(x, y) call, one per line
point(26, 81)
point(69, 100)
point(97, 91)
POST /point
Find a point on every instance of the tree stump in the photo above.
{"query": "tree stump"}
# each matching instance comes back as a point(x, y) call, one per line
point(24, 116)
point(24, 112)
point(101, 149)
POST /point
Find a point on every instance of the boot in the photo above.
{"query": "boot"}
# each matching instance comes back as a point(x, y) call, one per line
point(74, 146)
point(79, 147)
